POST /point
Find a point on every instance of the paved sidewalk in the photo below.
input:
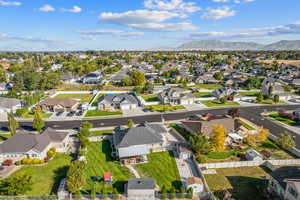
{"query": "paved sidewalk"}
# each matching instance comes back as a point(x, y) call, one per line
point(135, 173)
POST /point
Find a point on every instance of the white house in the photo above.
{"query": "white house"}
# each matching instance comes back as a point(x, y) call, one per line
point(176, 96)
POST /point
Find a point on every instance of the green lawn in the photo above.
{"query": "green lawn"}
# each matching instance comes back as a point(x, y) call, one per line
point(30, 114)
point(47, 178)
point(269, 101)
point(150, 97)
point(208, 86)
point(181, 131)
point(162, 167)
point(101, 113)
point(246, 183)
point(249, 94)
point(83, 97)
point(216, 103)
point(4, 137)
point(102, 132)
point(202, 94)
point(99, 160)
point(284, 120)
point(163, 108)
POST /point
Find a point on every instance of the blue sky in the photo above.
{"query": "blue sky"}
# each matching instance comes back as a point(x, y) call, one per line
point(141, 24)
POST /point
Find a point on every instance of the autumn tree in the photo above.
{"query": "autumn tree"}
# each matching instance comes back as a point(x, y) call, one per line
point(138, 78)
point(263, 134)
point(218, 137)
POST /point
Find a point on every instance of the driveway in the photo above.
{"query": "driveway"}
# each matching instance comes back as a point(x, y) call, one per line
point(134, 112)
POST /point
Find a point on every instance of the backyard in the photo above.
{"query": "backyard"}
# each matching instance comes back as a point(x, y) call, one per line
point(101, 113)
point(150, 97)
point(245, 183)
point(99, 160)
point(164, 108)
point(46, 178)
point(162, 167)
point(83, 97)
point(217, 103)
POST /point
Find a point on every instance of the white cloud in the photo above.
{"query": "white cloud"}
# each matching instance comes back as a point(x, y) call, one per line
point(218, 13)
point(10, 3)
point(151, 20)
point(47, 8)
point(243, 1)
point(178, 5)
point(74, 9)
point(88, 37)
point(220, 1)
point(110, 32)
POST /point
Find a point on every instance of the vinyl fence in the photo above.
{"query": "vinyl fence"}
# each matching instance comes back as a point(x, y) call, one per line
point(248, 163)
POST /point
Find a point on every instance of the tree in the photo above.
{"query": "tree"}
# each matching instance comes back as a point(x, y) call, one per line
point(138, 78)
point(200, 144)
point(218, 137)
point(16, 185)
point(223, 100)
point(13, 124)
point(234, 112)
point(38, 122)
point(263, 134)
point(260, 97)
point(276, 98)
point(130, 123)
point(76, 176)
point(218, 76)
point(253, 82)
point(286, 141)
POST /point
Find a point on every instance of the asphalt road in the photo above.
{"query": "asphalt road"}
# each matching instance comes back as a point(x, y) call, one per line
point(252, 114)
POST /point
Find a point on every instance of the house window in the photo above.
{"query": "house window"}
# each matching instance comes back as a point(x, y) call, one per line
point(293, 192)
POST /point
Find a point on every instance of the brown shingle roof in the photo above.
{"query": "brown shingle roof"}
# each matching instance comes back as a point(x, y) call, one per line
point(67, 103)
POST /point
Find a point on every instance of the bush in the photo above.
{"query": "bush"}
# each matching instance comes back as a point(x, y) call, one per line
point(51, 153)
point(20, 112)
point(30, 161)
point(18, 162)
point(7, 163)
point(201, 159)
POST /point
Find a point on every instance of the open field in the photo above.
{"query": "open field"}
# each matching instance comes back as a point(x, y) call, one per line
point(287, 62)
point(99, 160)
point(162, 167)
point(245, 183)
point(83, 97)
point(46, 178)
point(216, 103)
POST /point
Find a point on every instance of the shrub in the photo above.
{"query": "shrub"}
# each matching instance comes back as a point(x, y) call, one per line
point(30, 161)
point(51, 153)
point(20, 112)
point(7, 163)
point(201, 159)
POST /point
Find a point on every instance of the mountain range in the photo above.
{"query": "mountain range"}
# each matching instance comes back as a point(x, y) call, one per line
point(218, 45)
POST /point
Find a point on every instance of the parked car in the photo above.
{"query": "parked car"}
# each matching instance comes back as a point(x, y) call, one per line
point(7, 163)
point(59, 113)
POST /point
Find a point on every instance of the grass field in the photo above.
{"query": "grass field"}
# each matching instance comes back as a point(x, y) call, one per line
point(30, 115)
point(216, 103)
point(101, 113)
point(202, 94)
point(47, 178)
point(150, 97)
point(99, 160)
point(163, 108)
point(284, 120)
point(102, 132)
point(83, 97)
point(162, 167)
point(246, 183)
point(208, 86)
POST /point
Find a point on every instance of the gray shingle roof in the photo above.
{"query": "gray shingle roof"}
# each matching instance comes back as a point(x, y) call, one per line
point(9, 102)
point(118, 99)
point(143, 134)
point(141, 184)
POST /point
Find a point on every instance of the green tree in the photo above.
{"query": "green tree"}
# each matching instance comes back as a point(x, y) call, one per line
point(276, 98)
point(218, 76)
point(38, 122)
point(130, 123)
point(286, 141)
point(76, 176)
point(16, 185)
point(138, 78)
point(260, 97)
point(13, 124)
point(200, 144)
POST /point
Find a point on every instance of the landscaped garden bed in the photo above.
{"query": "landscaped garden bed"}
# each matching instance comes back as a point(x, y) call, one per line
point(164, 108)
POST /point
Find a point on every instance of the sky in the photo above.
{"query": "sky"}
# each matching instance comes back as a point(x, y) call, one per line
point(54, 25)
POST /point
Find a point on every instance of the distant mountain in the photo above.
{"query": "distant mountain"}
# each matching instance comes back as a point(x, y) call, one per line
point(217, 45)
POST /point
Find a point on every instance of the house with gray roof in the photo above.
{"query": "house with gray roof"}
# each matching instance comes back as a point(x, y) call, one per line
point(272, 87)
point(132, 145)
point(95, 77)
point(26, 145)
point(141, 189)
point(176, 96)
point(117, 102)
point(9, 104)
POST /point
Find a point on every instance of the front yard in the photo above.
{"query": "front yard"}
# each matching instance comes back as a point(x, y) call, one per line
point(217, 103)
point(202, 94)
point(30, 115)
point(83, 97)
point(99, 160)
point(208, 86)
point(162, 167)
point(100, 133)
point(46, 178)
point(246, 183)
point(164, 108)
point(101, 113)
point(284, 120)
point(150, 97)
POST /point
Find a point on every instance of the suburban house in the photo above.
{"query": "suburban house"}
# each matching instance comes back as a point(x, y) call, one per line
point(271, 87)
point(117, 102)
point(204, 123)
point(225, 92)
point(132, 145)
point(69, 78)
point(95, 77)
point(207, 79)
point(140, 189)
point(26, 145)
point(285, 183)
point(9, 104)
point(176, 96)
point(58, 105)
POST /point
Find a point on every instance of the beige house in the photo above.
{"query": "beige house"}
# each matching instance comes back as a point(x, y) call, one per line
point(58, 105)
